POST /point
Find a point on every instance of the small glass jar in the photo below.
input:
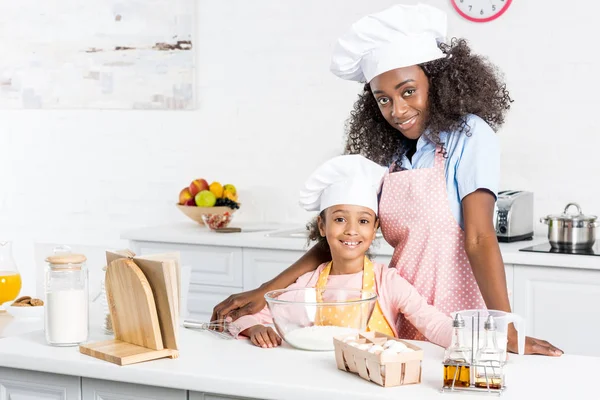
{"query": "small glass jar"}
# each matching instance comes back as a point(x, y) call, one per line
point(66, 318)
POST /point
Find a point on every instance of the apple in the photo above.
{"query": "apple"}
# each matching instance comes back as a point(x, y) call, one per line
point(197, 186)
point(185, 195)
point(191, 202)
point(205, 198)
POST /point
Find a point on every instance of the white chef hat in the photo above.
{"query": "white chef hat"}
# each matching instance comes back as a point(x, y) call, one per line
point(348, 179)
point(400, 36)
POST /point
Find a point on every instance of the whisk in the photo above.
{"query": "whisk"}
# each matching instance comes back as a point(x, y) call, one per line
point(226, 330)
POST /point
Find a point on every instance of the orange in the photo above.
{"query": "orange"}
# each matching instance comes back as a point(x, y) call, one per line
point(217, 189)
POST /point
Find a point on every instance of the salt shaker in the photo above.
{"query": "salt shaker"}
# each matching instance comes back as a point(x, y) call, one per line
point(488, 373)
point(66, 319)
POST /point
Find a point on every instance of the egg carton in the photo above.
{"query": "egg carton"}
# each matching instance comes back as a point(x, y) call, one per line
point(377, 358)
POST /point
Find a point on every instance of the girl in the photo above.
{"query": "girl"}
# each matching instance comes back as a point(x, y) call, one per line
point(344, 190)
point(428, 110)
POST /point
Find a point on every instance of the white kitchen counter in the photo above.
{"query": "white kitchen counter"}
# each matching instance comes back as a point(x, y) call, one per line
point(192, 233)
point(237, 368)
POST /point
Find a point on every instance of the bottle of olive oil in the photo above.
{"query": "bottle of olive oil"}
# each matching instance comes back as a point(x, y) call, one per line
point(488, 372)
point(457, 357)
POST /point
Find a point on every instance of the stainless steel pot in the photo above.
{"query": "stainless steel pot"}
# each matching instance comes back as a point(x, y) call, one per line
point(571, 231)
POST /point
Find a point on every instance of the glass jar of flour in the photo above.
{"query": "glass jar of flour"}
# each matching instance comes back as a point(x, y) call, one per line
point(66, 318)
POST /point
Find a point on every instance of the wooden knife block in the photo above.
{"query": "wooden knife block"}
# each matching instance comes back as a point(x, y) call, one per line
point(143, 299)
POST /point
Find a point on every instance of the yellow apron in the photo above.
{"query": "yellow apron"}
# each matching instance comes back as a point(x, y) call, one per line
point(348, 314)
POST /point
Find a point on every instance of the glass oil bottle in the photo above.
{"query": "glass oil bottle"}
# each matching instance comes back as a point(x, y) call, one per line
point(457, 357)
point(488, 359)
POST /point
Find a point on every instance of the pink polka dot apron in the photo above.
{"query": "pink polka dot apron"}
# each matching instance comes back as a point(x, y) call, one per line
point(428, 243)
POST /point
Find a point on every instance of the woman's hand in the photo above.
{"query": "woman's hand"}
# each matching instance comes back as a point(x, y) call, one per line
point(263, 336)
point(253, 301)
point(240, 304)
point(533, 346)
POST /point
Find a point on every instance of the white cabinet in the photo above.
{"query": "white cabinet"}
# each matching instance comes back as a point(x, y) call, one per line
point(203, 298)
point(211, 265)
point(208, 396)
point(96, 389)
point(261, 265)
point(509, 269)
point(17, 384)
point(560, 305)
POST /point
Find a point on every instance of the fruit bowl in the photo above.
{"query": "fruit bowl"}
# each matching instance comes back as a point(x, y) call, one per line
point(309, 318)
point(213, 217)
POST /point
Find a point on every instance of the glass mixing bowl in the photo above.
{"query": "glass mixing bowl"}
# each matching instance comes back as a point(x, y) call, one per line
point(309, 318)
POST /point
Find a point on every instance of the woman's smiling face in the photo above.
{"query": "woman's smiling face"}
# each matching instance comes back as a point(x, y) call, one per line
point(402, 95)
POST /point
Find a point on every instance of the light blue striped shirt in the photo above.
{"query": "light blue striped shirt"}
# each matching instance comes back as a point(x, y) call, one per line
point(473, 162)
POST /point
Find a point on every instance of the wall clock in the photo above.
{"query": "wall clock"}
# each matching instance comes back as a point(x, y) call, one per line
point(481, 10)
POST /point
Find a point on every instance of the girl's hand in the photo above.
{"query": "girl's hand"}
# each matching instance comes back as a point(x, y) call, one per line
point(533, 346)
point(263, 336)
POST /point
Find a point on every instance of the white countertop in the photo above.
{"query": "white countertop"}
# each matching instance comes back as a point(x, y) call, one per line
point(192, 233)
point(237, 368)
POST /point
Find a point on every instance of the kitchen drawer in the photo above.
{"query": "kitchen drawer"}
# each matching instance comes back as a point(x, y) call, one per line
point(211, 265)
point(96, 389)
point(17, 384)
point(208, 396)
point(261, 265)
point(203, 298)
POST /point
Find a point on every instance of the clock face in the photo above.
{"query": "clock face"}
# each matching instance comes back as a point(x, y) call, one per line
point(481, 10)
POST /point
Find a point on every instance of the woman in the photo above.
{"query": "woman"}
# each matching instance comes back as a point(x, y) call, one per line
point(428, 111)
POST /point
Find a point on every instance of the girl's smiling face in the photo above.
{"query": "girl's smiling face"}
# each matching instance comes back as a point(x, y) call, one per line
point(402, 95)
point(349, 230)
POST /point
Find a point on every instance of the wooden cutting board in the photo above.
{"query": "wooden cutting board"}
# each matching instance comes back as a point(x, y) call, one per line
point(175, 257)
point(132, 307)
point(143, 297)
point(162, 276)
point(123, 353)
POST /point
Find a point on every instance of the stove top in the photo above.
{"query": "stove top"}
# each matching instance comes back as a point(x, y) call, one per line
point(546, 248)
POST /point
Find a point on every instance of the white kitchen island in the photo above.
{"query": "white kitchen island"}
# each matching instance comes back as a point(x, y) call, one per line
point(212, 368)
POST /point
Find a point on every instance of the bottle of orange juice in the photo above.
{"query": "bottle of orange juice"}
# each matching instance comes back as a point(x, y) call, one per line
point(10, 279)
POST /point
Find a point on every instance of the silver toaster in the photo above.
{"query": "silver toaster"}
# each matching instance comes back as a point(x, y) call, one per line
point(514, 216)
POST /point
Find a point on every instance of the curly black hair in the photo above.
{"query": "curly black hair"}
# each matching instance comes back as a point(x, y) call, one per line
point(314, 234)
point(462, 83)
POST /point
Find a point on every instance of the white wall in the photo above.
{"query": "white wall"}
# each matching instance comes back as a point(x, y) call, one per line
point(269, 112)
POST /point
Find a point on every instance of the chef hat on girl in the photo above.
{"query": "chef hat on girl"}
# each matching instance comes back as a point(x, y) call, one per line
point(400, 36)
point(347, 179)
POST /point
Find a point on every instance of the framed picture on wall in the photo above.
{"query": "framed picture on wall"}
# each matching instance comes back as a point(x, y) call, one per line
point(97, 54)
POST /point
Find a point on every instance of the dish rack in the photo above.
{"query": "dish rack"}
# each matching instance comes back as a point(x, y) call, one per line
point(491, 369)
